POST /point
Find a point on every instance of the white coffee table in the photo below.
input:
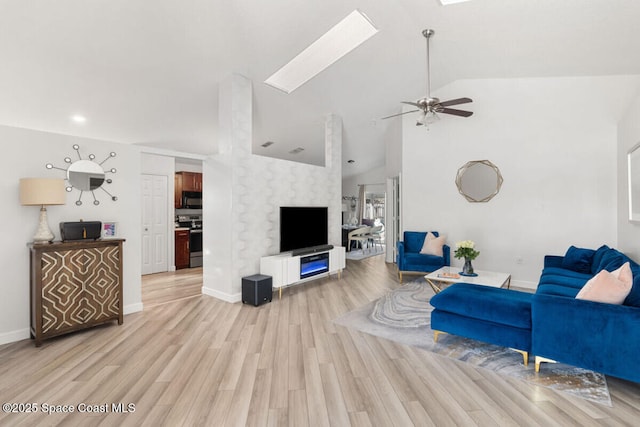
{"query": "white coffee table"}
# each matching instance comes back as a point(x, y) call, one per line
point(437, 280)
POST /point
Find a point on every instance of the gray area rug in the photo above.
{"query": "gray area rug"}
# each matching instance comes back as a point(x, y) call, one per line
point(404, 316)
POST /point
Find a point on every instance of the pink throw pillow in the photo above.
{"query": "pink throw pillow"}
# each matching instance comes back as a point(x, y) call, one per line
point(608, 287)
point(433, 245)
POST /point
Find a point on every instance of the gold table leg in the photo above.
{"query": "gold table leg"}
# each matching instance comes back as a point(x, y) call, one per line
point(434, 285)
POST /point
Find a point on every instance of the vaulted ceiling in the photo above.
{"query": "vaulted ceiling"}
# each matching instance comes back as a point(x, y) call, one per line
point(147, 71)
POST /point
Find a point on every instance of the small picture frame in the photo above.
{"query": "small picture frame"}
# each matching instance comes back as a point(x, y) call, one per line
point(109, 229)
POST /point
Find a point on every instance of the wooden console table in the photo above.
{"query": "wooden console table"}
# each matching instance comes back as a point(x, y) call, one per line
point(74, 285)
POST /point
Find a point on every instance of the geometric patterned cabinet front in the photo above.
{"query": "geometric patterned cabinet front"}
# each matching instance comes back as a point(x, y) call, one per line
point(75, 285)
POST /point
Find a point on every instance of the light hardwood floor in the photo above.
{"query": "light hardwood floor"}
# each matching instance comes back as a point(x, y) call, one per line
point(161, 288)
point(201, 361)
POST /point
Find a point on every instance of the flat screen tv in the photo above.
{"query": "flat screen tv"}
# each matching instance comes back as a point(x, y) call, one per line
point(303, 227)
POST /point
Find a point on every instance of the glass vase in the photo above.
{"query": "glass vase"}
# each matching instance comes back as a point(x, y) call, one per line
point(467, 269)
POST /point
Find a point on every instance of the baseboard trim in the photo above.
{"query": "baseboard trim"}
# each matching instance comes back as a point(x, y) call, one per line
point(132, 308)
point(232, 298)
point(13, 336)
point(524, 284)
point(23, 334)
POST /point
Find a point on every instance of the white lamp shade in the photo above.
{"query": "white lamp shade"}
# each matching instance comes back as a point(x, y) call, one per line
point(42, 191)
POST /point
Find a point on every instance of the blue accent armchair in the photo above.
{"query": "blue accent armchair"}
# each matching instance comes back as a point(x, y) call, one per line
point(410, 260)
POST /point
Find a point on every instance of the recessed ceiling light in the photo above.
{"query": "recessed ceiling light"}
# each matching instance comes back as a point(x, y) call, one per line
point(78, 118)
point(351, 161)
point(345, 36)
point(448, 2)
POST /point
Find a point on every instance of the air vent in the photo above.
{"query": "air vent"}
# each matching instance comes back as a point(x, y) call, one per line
point(296, 150)
point(268, 144)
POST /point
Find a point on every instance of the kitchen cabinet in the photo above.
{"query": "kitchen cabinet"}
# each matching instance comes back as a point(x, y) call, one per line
point(185, 181)
point(177, 191)
point(191, 181)
point(74, 285)
point(182, 249)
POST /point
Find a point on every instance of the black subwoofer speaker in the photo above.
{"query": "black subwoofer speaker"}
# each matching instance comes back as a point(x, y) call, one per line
point(257, 289)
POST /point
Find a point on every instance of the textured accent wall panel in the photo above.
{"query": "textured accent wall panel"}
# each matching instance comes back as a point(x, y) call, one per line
point(263, 184)
point(260, 185)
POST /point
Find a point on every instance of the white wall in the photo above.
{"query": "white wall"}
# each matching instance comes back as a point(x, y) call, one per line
point(554, 140)
point(27, 152)
point(393, 148)
point(628, 136)
point(184, 166)
point(375, 178)
point(243, 193)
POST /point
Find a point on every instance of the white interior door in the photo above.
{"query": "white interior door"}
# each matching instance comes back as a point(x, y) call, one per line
point(155, 246)
point(393, 224)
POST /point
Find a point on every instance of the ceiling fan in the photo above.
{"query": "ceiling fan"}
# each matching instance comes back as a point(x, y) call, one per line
point(428, 106)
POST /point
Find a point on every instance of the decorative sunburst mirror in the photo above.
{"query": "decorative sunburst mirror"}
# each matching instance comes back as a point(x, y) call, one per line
point(86, 175)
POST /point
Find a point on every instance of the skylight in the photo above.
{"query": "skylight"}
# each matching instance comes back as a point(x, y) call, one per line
point(345, 36)
point(448, 2)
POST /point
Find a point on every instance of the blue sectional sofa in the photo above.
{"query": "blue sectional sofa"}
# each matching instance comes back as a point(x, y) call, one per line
point(592, 335)
point(551, 323)
point(410, 260)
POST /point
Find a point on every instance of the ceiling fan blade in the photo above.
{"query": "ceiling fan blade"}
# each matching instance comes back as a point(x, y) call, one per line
point(456, 102)
point(455, 112)
point(399, 114)
point(415, 104)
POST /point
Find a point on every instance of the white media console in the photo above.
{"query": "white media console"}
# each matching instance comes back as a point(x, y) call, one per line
point(287, 269)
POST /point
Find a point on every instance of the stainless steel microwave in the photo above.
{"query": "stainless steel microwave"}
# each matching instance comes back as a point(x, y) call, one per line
point(192, 200)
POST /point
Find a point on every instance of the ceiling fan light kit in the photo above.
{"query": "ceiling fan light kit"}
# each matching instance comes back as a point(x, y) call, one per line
point(429, 106)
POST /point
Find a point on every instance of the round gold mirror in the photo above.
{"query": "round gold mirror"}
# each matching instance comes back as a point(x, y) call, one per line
point(479, 181)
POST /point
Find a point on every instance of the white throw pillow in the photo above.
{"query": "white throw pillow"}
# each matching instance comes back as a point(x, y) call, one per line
point(611, 288)
point(433, 245)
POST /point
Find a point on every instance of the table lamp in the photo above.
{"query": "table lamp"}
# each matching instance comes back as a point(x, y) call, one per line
point(42, 192)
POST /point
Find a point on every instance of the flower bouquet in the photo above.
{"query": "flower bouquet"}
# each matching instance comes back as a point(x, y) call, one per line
point(466, 249)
